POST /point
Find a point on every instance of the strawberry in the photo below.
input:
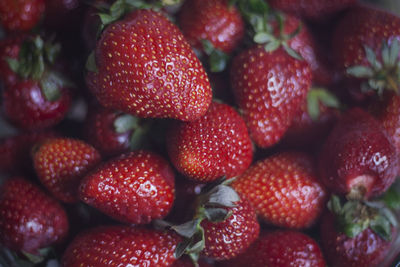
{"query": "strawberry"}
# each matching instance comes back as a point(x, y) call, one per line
point(284, 190)
point(368, 56)
point(9, 48)
point(312, 9)
point(40, 96)
point(132, 76)
point(121, 246)
point(61, 163)
point(358, 158)
point(223, 227)
point(356, 235)
point(15, 151)
point(29, 219)
point(136, 187)
point(21, 15)
point(216, 145)
point(280, 248)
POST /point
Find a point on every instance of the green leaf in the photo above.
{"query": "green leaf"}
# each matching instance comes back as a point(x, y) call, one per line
point(208, 47)
point(272, 46)
point(13, 64)
point(382, 227)
point(313, 106)
point(394, 50)
point(352, 230)
point(385, 54)
point(218, 61)
point(181, 248)
point(263, 37)
point(334, 205)
point(91, 63)
point(371, 57)
point(291, 52)
point(224, 196)
point(52, 83)
point(106, 18)
point(187, 229)
point(258, 6)
point(392, 197)
point(125, 123)
point(360, 72)
point(216, 214)
point(51, 51)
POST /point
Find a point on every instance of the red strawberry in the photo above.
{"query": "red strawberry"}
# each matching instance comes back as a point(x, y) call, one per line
point(284, 190)
point(136, 187)
point(269, 88)
point(371, 56)
point(216, 21)
point(213, 146)
point(367, 248)
point(15, 151)
point(101, 132)
point(121, 246)
point(29, 219)
point(21, 15)
point(358, 158)
point(61, 163)
point(40, 96)
point(145, 67)
point(280, 248)
point(9, 48)
point(312, 9)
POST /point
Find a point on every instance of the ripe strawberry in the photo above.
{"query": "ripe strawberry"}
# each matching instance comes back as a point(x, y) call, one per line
point(101, 131)
point(215, 21)
point(9, 48)
point(312, 9)
point(132, 76)
point(136, 187)
point(121, 246)
point(269, 88)
point(284, 190)
point(358, 159)
point(15, 151)
point(367, 248)
point(213, 146)
point(29, 219)
point(280, 248)
point(371, 56)
point(38, 96)
point(61, 163)
point(21, 15)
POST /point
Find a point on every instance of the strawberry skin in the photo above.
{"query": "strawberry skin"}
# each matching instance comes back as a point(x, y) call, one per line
point(269, 88)
point(61, 163)
point(358, 157)
point(280, 248)
point(121, 246)
point(227, 239)
point(216, 145)
point(312, 9)
point(136, 187)
point(215, 21)
point(20, 15)
point(146, 68)
point(367, 249)
point(284, 190)
point(29, 219)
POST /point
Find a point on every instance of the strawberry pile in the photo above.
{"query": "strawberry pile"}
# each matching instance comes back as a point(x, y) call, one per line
point(199, 133)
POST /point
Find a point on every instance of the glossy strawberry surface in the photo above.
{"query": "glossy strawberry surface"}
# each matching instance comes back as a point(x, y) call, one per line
point(145, 67)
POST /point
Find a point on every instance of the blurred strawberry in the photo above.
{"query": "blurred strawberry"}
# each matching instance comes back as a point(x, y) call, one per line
point(136, 187)
point(216, 145)
point(29, 219)
point(61, 163)
point(21, 15)
point(284, 189)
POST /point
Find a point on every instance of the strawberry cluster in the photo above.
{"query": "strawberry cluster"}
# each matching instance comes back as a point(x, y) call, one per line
point(199, 133)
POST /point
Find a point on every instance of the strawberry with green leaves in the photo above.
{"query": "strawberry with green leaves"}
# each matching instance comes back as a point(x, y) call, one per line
point(36, 93)
point(143, 65)
point(29, 218)
point(61, 163)
point(121, 246)
point(280, 248)
point(216, 145)
point(366, 56)
point(284, 189)
point(136, 187)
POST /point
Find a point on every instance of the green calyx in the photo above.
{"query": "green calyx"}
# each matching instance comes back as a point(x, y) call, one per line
point(383, 72)
point(139, 129)
point(320, 95)
point(44, 256)
point(260, 17)
point(217, 59)
point(356, 216)
point(213, 206)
